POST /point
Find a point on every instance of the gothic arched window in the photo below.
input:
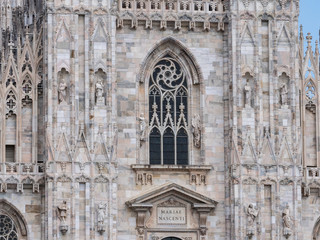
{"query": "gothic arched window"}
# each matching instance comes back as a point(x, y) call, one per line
point(7, 228)
point(168, 113)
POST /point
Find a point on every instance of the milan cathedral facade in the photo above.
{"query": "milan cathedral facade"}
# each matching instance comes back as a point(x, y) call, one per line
point(158, 120)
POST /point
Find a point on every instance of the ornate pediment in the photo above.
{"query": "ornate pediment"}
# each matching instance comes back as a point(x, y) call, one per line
point(172, 189)
point(171, 206)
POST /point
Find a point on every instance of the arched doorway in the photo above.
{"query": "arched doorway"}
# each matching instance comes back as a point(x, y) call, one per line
point(171, 238)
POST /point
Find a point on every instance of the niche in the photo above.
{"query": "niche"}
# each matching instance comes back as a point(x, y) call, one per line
point(248, 90)
point(63, 87)
point(11, 126)
point(284, 89)
point(99, 83)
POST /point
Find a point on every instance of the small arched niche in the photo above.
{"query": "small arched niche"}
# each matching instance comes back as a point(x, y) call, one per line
point(64, 87)
point(247, 90)
point(99, 87)
point(284, 82)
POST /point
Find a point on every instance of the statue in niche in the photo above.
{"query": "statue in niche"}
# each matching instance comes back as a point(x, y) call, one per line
point(252, 214)
point(283, 94)
point(149, 179)
point(101, 212)
point(287, 222)
point(62, 91)
point(247, 94)
point(193, 179)
point(99, 92)
point(62, 213)
point(143, 127)
point(196, 130)
point(141, 180)
point(203, 179)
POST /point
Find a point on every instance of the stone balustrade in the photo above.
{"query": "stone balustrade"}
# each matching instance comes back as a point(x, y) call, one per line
point(178, 6)
point(177, 11)
point(21, 168)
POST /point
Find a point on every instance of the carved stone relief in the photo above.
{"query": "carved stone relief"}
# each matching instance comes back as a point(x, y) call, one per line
point(143, 178)
point(198, 179)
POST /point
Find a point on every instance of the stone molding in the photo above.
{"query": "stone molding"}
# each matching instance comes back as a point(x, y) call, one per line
point(197, 173)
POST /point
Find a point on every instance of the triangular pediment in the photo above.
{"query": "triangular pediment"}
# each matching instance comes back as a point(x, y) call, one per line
point(174, 190)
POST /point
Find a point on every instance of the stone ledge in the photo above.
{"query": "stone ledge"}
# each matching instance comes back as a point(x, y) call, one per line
point(178, 168)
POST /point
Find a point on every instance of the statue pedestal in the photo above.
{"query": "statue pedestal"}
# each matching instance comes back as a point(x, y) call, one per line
point(101, 228)
point(248, 118)
point(63, 229)
point(100, 101)
point(100, 115)
point(287, 232)
point(284, 116)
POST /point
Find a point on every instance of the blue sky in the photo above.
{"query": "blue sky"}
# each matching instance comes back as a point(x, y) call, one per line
point(310, 17)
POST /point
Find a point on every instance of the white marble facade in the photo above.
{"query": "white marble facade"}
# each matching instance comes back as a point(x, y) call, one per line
point(158, 120)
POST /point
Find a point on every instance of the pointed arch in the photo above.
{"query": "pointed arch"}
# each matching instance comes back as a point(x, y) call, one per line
point(11, 211)
point(176, 49)
point(316, 230)
point(310, 90)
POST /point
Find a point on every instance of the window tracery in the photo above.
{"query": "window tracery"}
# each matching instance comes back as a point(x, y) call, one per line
point(11, 79)
point(11, 103)
point(27, 63)
point(26, 91)
point(310, 92)
point(7, 228)
point(168, 113)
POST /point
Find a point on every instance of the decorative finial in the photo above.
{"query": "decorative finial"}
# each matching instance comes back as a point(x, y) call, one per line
point(309, 38)
point(301, 33)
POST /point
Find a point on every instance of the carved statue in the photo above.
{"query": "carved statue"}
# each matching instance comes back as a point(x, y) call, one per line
point(305, 190)
point(287, 222)
point(252, 214)
point(62, 91)
point(63, 211)
point(99, 92)
point(284, 94)
point(101, 212)
point(247, 94)
point(143, 127)
point(196, 130)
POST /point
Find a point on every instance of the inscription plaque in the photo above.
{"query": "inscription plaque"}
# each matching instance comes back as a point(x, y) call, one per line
point(171, 215)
